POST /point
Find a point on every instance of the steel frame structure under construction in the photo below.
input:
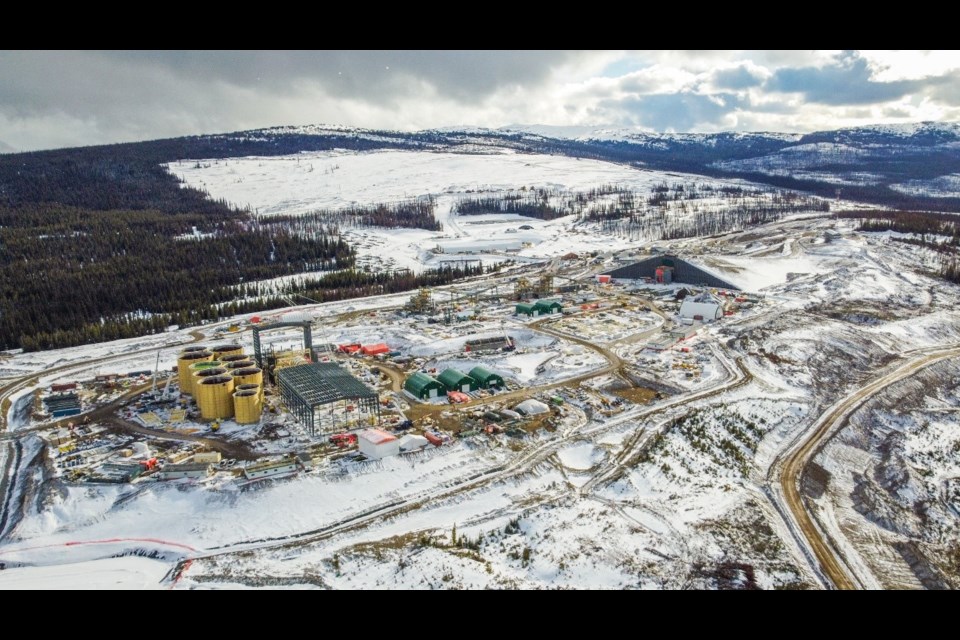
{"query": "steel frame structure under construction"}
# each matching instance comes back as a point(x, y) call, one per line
point(307, 387)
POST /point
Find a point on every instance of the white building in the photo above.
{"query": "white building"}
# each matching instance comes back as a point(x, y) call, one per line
point(411, 442)
point(270, 468)
point(377, 444)
point(531, 407)
point(707, 306)
point(186, 470)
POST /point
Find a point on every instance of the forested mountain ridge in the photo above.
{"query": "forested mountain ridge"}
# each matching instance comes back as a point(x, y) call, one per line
point(102, 242)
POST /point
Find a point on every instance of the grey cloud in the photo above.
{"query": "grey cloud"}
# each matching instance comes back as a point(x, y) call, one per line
point(737, 78)
point(136, 95)
point(674, 111)
point(849, 81)
point(947, 90)
point(464, 75)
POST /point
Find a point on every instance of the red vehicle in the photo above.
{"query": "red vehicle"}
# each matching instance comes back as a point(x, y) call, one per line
point(343, 439)
point(456, 397)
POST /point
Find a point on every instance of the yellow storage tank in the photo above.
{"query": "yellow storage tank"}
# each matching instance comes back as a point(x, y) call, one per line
point(247, 405)
point(248, 376)
point(196, 368)
point(184, 360)
point(222, 350)
point(215, 396)
point(194, 348)
point(236, 357)
point(240, 364)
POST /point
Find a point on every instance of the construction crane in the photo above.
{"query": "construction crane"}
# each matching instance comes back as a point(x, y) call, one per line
point(509, 345)
point(156, 370)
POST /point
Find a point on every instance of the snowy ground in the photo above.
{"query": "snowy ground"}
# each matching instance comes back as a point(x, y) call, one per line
point(106, 574)
point(338, 179)
point(666, 494)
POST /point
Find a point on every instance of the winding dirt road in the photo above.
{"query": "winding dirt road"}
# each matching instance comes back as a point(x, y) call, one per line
point(789, 470)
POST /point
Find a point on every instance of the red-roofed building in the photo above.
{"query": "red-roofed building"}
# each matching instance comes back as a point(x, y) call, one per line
point(377, 443)
point(374, 349)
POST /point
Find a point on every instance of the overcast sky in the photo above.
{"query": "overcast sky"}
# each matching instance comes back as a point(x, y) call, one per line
point(58, 99)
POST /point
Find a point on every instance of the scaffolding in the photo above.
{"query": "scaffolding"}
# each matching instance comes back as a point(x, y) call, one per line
point(421, 302)
point(307, 337)
point(307, 388)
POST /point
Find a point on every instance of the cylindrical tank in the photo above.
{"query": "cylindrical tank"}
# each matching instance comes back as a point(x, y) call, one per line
point(236, 357)
point(206, 372)
point(215, 396)
point(247, 405)
point(226, 350)
point(196, 367)
point(248, 375)
point(184, 361)
point(193, 349)
point(240, 364)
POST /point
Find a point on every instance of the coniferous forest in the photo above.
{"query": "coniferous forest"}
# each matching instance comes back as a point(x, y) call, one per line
point(101, 243)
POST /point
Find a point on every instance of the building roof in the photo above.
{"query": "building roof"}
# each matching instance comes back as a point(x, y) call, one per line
point(322, 383)
point(548, 304)
point(411, 441)
point(269, 464)
point(376, 436)
point(532, 407)
point(187, 466)
point(707, 297)
point(525, 307)
point(453, 379)
point(370, 349)
point(420, 381)
point(62, 402)
point(484, 375)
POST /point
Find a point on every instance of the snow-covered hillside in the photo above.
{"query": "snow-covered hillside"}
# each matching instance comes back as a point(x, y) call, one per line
point(308, 182)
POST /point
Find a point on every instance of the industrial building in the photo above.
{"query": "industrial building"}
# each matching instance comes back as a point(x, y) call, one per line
point(377, 444)
point(308, 387)
point(270, 468)
point(424, 387)
point(496, 343)
point(668, 269)
point(121, 471)
point(62, 405)
point(525, 309)
point(374, 349)
point(547, 307)
point(531, 407)
point(538, 308)
point(412, 442)
point(186, 470)
point(455, 380)
point(485, 378)
point(705, 306)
